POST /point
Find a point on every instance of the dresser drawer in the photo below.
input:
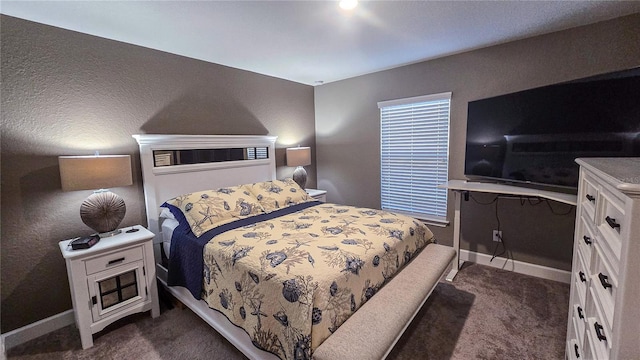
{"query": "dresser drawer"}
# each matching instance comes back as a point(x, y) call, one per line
point(581, 278)
point(598, 327)
point(105, 262)
point(579, 322)
point(589, 197)
point(587, 348)
point(611, 222)
point(585, 238)
point(604, 283)
point(574, 352)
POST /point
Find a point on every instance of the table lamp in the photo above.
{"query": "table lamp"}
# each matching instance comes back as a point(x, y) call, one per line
point(299, 157)
point(103, 210)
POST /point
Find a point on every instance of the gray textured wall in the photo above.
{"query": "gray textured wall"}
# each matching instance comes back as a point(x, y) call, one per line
point(348, 136)
point(66, 93)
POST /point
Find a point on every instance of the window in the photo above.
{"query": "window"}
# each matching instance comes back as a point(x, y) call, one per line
point(414, 152)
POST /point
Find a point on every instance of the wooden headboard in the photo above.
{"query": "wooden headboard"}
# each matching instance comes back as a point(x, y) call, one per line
point(166, 175)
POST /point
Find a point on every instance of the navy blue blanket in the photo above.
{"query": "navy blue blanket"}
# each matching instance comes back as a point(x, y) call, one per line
point(186, 262)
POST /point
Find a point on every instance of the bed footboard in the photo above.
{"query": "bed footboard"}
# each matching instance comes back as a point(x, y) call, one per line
point(373, 330)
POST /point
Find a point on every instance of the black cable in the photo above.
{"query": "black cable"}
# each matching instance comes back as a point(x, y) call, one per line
point(497, 217)
point(481, 203)
point(495, 201)
point(571, 207)
point(548, 202)
point(540, 201)
point(523, 200)
point(504, 247)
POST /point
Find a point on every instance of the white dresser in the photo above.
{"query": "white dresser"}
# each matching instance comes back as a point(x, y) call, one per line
point(604, 308)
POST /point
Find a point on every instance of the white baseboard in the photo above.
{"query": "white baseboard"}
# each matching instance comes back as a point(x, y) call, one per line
point(517, 266)
point(42, 327)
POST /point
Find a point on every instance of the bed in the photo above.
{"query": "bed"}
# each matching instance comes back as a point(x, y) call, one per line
point(274, 271)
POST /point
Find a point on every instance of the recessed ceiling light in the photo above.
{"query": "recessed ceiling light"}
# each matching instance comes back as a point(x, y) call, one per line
point(348, 4)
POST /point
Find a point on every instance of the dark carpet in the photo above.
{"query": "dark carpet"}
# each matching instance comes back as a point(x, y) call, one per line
point(485, 313)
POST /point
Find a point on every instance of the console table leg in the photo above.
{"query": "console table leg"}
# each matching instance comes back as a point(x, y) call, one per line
point(456, 237)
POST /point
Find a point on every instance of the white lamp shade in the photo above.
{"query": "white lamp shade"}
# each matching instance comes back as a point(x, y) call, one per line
point(94, 172)
point(299, 156)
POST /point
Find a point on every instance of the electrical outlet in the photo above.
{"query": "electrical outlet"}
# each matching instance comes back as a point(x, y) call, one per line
point(497, 235)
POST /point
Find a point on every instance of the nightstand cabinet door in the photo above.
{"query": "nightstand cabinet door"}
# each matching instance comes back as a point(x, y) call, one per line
point(116, 289)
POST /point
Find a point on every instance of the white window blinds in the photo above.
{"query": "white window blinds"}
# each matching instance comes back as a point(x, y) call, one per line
point(414, 155)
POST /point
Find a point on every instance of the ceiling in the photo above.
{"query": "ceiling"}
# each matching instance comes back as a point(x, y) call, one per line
point(312, 42)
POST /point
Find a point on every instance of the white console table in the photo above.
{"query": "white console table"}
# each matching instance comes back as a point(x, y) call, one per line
point(461, 186)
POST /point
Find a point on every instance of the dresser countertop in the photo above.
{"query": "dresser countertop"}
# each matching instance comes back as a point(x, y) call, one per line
point(622, 172)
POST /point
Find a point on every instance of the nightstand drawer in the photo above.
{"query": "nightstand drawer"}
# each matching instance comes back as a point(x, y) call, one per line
point(105, 262)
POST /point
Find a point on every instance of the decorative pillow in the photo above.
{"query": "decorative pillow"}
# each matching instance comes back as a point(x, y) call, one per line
point(207, 209)
point(279, 194)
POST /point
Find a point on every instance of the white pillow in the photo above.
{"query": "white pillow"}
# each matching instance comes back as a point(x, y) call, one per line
point(166, 214)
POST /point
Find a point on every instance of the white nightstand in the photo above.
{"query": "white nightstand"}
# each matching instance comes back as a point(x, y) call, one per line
point(114, 278)
point(320, 195)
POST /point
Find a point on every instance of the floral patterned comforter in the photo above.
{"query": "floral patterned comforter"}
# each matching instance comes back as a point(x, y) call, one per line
point(293, 280)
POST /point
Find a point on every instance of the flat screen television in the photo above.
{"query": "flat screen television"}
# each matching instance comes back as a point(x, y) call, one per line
point(533, 137)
